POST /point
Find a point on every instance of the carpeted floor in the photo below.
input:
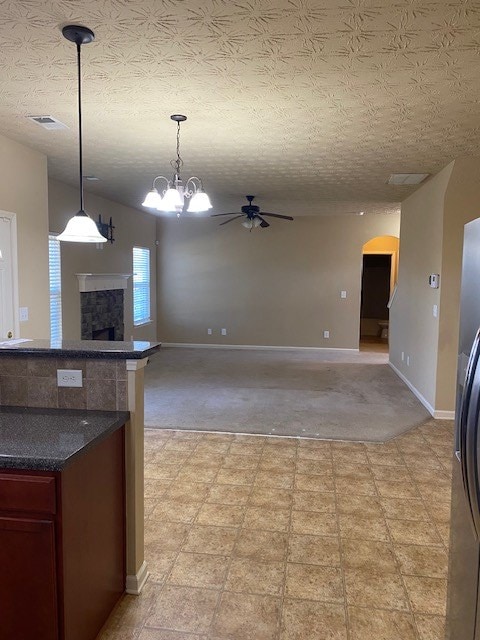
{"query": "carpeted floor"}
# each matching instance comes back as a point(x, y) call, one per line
point(324, 394)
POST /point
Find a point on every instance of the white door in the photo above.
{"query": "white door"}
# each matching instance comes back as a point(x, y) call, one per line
point(8, 328)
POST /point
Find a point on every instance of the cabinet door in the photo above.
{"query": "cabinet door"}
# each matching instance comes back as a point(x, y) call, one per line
point(28, 599)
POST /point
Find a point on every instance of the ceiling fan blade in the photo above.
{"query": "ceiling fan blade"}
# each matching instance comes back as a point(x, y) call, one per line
point(231, 220)
point(276, 215)
point(214, 215)
point(263, 223)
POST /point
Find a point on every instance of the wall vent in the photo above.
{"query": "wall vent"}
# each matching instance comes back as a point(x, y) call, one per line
point(407, 178)
point(48, 122)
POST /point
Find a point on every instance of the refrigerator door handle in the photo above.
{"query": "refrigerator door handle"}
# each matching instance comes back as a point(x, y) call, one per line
point(468, 425)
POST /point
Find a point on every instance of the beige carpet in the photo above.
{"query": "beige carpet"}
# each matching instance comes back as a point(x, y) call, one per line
point(317, 394)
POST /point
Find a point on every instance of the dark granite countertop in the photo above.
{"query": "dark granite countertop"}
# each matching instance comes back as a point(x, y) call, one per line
point(49, 439)
point(80, 349)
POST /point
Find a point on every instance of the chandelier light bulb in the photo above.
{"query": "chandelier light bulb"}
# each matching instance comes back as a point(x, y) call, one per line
point(171, 201)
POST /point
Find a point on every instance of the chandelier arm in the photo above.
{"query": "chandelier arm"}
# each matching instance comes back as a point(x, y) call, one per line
point(190, 192)
point(163, 178)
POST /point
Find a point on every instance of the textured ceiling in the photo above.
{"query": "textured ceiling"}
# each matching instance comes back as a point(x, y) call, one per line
point(309, 104)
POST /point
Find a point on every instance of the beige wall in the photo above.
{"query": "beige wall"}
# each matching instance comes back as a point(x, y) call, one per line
point(462, 204)
point(132, 228)
point(23, 191)
point(431, 238)
point(279, 286)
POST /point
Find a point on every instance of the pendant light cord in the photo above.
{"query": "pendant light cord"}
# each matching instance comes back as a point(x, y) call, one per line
point(80, 144)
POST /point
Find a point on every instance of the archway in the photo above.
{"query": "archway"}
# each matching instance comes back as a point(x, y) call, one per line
point(379, 277)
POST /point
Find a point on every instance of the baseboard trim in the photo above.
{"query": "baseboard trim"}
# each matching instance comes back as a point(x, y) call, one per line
point(201, 345)
point(414, 390)
point(444, 415)
point(135, 583)
point(435, 413)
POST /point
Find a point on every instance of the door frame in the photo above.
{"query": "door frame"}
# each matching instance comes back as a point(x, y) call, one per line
point(14, 253)
point(392, 284)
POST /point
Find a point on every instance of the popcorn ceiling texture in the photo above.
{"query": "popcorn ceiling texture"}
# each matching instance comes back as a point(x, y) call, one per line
point(327, 97)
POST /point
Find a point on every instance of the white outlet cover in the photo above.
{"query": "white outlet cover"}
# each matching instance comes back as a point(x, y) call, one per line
point(69, 378)
point(23, 314)
point(224, 332)
point(343, 294)
point(209, 332)
point(326, 334)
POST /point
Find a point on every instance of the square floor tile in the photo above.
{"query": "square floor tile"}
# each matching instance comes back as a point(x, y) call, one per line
point(247, 575)
point(263, 546)
point(427, 595)
point(310, 482)
point(271, 498)
point(303, 619)
point(367, 589)
point(199, 570)
point(405, 508)
point(314, 550)
point(369, 555)
point(413, 532)
point(314, 501)
point(312, 523)
point(235, 476)
point(369, 624)
point(266, 519)
point(430, 627)
point(205, 539)
point(220, 515)
point(243, 616)
point(228, 494)
point(359, 528)
point(314, 582)
point(422, 560)
point(275, 479)
point(184, 609)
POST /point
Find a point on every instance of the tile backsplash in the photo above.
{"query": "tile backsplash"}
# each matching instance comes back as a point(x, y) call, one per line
point(32, 382)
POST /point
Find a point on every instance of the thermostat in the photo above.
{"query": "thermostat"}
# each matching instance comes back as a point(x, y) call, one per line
point(434, 280)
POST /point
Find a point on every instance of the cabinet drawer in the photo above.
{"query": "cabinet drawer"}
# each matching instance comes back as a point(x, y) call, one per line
point(27, 493)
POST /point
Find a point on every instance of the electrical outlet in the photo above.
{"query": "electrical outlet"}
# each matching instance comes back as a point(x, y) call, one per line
point(69, 378)
point(435, 310)
point(209, 332)
point(326, 334)
point(23, 315)
point(403, 356)
point(343, 294)
point(224, 332)
point(408, 361)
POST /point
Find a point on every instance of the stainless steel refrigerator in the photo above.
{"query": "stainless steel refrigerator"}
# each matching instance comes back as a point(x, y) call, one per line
point(463, 605)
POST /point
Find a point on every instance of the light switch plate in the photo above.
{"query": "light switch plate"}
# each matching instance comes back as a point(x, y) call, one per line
point(224, 332)
point(69, 378)
point(343, 294)
point(23, 314)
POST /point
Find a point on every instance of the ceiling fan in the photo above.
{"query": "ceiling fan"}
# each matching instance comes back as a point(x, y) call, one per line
point(252, 216)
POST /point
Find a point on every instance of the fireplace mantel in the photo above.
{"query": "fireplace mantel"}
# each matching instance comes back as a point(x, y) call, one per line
point(102, 281)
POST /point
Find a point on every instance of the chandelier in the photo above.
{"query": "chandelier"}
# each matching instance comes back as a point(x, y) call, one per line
point(173, 197)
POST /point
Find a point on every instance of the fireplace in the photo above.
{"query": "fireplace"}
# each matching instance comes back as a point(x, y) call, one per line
point(108, 333)
point(101, 315)
point(102, 305)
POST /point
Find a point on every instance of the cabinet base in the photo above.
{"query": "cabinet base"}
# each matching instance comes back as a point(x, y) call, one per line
point(136, 582)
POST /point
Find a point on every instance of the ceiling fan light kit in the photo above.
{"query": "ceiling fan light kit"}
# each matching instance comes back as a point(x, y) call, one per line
point(252, 216)
point(173, 197)
point(80, 228)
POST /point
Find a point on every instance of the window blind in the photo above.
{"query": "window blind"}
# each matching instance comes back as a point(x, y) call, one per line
point(54, 266)
point(141, 285)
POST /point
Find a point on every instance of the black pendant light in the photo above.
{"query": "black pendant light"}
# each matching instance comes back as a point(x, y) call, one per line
point(80, 228)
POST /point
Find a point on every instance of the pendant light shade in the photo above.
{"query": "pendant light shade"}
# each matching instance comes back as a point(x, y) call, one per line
point(152, 200)
point(199, 202)
point(80, 228)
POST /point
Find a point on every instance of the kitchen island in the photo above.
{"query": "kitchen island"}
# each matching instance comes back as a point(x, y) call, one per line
point(111, 375)
point(62, 521)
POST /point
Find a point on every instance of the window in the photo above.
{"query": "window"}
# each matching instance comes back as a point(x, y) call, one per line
point(141, 285)
point(54, 267)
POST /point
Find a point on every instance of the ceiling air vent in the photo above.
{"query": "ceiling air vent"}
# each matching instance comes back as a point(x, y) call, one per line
point(48, 122)
point(407, 178)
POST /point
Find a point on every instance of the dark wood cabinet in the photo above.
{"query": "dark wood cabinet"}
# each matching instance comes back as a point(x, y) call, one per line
point(62, 546)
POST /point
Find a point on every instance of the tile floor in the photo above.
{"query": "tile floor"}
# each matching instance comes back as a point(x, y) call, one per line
point(254, 538)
